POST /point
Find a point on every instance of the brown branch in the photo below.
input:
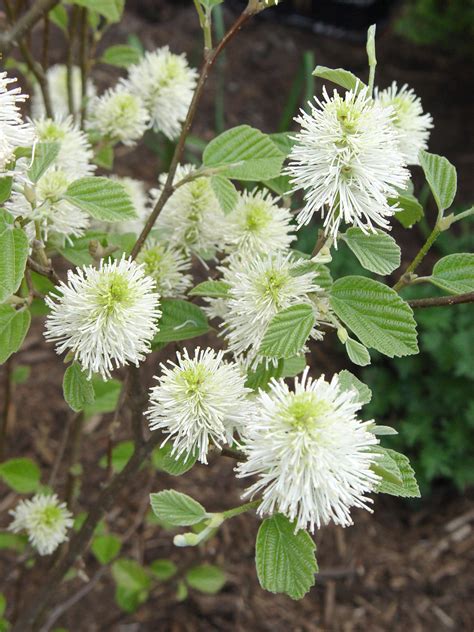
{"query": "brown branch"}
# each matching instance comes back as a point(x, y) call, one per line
point(7, 406)
point(46, 272)
point(203, 75)
point(440, 301)
point(25, 23)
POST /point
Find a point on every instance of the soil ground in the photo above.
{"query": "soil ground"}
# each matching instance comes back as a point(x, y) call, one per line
point(407, 567)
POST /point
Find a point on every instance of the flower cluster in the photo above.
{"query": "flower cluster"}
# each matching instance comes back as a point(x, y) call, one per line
point(45, 520)
point(13, 131)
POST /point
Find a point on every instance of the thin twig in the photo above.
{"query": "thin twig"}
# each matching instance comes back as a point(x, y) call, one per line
point(46, 272)
point(83, 52)
point(26, 23)
point(440, 301)
point(61, 450)
point(7, 404)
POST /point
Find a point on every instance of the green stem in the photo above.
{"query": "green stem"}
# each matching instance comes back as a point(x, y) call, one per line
point(463, 215)
point(405, 277)
point(236, 511)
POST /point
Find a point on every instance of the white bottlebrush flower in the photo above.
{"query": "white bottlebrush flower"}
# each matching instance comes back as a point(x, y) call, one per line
point(347, 159)
point(310, 452)
point(259, 288)
point(199, 401)
point(75, 153)
point(412, 125)
point(105, 317)
point(165, 83)
point(192, 218)
point(13, 131)
point(57, 85)
point(168, 267)
point(258, 225)
point(120, 115)
point(45, 206)
point(45, 520)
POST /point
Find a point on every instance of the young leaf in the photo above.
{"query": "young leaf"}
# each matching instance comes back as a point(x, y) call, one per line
point(348, 380)
point(106, 548)
point(121, 455)
point(206, 578)
point(225, 192)
point(441, 176)
point(13, 255)
point(408, 487)
point(106, 396)
point(163, 569)
point(288, 331)
point(58, 15)
point(44, 156)
point(340, 77)
point(162, 459)
point(13, 328)
point(180, 320)
point(293, 366)
point(377, 252)
point(121, 56)
point(285, 560)
point(130, 575)
point(111, 9)
point(5, 188)
point(410, 211)
point(214, 289)
point(78, 390)
point(177, 509)
point(257, 156)
point(376, 314)
point(22, 475)
point(357, 353)
point(104, 199)
point(454, 273)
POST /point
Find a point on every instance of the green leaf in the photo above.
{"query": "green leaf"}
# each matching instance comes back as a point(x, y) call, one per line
point(163, 460)
point(323, 276)
point(106, 548)
point(454, 273)
point(377, 252)
point(13, 328)
point(410, 211)
point(177, 509)
point(78, 390)
point(106, 396)
point(13, 256)
point(44, 156)
point(111, 9)
point(130, 575)
point(58, 15)
point(386, 468)
point(20, 374)
point(14, 541)
point(293, 366)
point(340, 77)
point(104, 199)
point(121, 455)
point(262, 374)
point(104, 157)
point(3, 604)
point(163, 569)
point(288, 331)
point(214, 289)
point(371, 46)
point(408, 488)
point(376, 314)
point(441, 176)
point(285, 560)
point(5, 188)
point(180, 320)
point(206, 578)
point(130, 600)
point(121, 56)
point(284, 141)
point(357, 353)
point(22, 475)
point(349, 381)
point(260, 158)
point(225, 192)
point(76, 249)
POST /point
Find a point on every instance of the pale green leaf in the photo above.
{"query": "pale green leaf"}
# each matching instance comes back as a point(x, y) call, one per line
point(5, 188)
point(177, 509)
point(22, 475)
point(78, 390)
point(454, 273)
point(408, 487)
point(106, 396)
point(121, 455)
point(58, 15)
point(163, 460)
point(378, 316)
point(293, 366)
point(349, 381)
point(14, 326)
point(410, 211)
point(377, 252)
point(214, 289)
point(206, 578)
point(180, 320)
point(44, 156)
point(111, 9)
point(130, 575)
point(340, 77)
point(225, 192)
point(106, 548)
point(285, 560)
point(13, 256)
point(441, 176)
point(105, 199)
point(288, 331)
point(357, 353)
point(163, 569)
point(121, 55)
point(248, 153)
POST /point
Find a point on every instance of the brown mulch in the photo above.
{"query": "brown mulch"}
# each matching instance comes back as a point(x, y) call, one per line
point(405, 568)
